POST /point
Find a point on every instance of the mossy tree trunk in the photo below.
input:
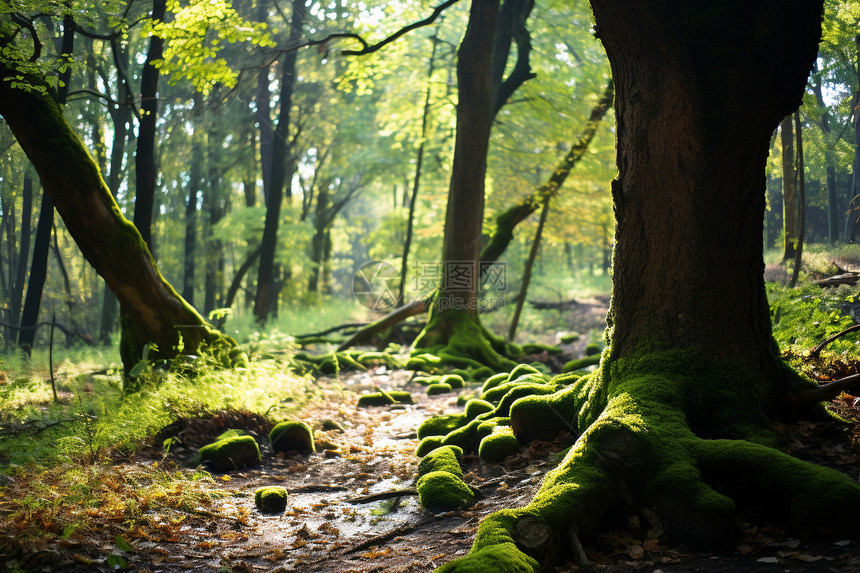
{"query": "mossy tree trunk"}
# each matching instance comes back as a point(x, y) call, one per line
point(111, 244)
point(677, 418)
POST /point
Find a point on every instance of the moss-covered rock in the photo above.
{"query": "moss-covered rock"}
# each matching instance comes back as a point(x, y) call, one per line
point(233, 433)
point(593, 348)
point(427, 445)
point(568, 337)
point(427, 380)
point(271, 499)
point(443, 491)
point(476, 407)
point(442, 459)
point(292, 436)
point(533, 381)
point(500, 444)
point(231, 453)
point(385, 399)
point(438, 388)
point(454, 380)
point(440, 425)
point(329, 425)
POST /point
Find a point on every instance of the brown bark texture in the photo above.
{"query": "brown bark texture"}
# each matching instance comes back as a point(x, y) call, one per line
point(695, 111)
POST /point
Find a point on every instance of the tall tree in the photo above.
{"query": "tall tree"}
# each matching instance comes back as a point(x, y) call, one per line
point(41, 245)
point(146, 170)
point(678, 416)
point(282, 165)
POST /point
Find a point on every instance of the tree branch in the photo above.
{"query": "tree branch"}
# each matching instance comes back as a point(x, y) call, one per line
point(828, 391)
point(817, 350)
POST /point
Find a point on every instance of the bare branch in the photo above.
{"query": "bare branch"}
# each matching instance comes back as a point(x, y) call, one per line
point(817, 350)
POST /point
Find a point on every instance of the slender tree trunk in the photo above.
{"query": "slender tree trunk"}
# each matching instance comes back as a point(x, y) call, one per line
point(527, 272)
point(214, 271)
point(281, 173)
point(416, 181)
point(852, 218)
point(194, 190)
point(829, 163)
point(145, 163)
point(789, 190)
point(15, 300)
point(38, 274)
point(801, 202)
point(318, 241)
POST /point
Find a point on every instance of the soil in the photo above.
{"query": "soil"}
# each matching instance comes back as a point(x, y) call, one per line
point(333, 524)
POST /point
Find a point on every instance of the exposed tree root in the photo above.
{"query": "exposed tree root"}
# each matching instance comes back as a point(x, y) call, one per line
point(817, 350)
point(673, 432)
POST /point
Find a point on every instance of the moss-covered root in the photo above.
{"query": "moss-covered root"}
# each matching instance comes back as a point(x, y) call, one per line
point(641, 448)
point(453, 339)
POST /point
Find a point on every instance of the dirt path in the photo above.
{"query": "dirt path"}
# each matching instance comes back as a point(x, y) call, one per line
point(324, 530)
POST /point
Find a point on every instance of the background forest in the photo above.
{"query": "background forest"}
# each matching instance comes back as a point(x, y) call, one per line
point(366, 152)
point(288, 163)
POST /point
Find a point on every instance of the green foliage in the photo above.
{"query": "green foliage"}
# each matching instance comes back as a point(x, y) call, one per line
point(194, 39)
point(807, 315)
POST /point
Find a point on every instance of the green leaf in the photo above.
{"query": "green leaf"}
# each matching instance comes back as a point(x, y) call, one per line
point(122, 543)
point(116, 562)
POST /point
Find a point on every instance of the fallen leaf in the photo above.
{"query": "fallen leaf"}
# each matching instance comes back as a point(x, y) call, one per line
point(635, 552)
point(744, 549)
point(768, 560)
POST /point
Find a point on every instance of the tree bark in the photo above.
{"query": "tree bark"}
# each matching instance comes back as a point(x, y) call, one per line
point(194, 191)
point(465, 209)
point(38, 274)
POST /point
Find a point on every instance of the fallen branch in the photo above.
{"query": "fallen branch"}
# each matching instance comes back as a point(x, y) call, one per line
point(817, 350)
point(380, 496)
point(346, 326)
point(843, 279)
point(385, 537)
point(366, 334)
point(829, 391)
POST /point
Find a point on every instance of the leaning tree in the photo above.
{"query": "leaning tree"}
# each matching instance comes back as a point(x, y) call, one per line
point(156, 315)
point(678, 416)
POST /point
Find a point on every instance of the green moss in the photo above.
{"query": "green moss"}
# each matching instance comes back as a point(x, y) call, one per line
point(521, 370)
point(443, 459)
point(380, 399)
point(438, 388)
point(427, 445)
point(440, 425)
point(427, 380)
point(271, 499)
point(536, 348)
point(593, 348)
point(494, 381)
point(476, 407)
point(378, 359)
point(465, 437)
point(292, 436)
point(569, 337)
point(533, 383)
point(581, 363)
point(441, 491)
point(453, 380)
point(231, 434)
point(463, 399)
point(503, 558)
point(231, 453)
point(498, 445)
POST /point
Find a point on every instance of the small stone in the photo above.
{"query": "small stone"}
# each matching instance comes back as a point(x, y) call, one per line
point(271, 499)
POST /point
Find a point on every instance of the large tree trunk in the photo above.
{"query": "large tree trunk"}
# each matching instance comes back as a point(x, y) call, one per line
point(678, 416)
point(111, 244)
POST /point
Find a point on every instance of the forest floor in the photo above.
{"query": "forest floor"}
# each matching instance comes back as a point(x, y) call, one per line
point(331, 524)
point(199, 521)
